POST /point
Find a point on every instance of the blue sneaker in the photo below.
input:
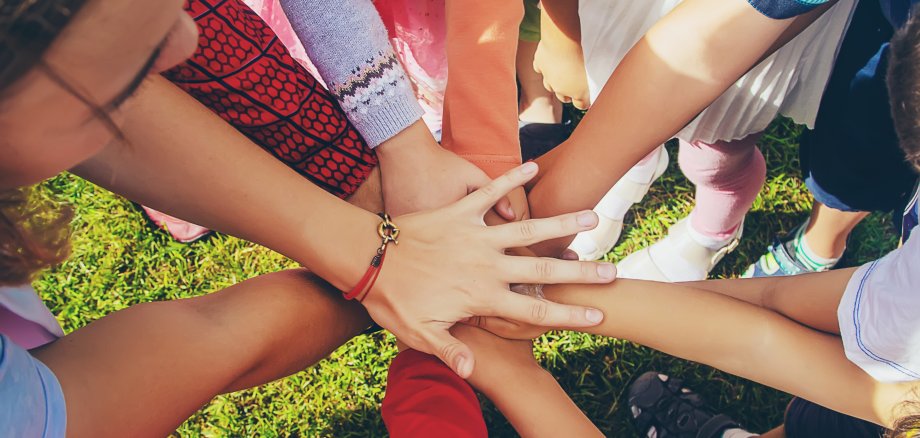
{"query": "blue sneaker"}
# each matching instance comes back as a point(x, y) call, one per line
point(781, 259)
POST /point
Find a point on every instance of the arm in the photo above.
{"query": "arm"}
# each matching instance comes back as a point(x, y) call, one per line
point(543, 409)
point(741, 339)
point(113, 370)
point(349, 45)
point(183, 160)
point(810, 299)
point(559, 57)
point(637, 111)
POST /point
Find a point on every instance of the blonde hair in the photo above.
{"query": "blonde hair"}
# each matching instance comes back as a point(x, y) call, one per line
point(34, 234)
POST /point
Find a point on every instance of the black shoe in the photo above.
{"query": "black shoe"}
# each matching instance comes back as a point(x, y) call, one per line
point(661, 407)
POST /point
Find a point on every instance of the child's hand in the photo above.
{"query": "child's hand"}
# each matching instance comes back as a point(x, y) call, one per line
point(561, 62)
point(417, 174)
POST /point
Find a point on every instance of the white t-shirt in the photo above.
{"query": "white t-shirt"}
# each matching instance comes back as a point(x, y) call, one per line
point(879, 315)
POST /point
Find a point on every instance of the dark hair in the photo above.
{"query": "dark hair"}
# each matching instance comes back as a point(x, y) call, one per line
point(904, 86)
point(904, 94)
point(27, 29)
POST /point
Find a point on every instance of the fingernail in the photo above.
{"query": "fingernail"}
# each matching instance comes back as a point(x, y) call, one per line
point(607, 271)
point(569, 255)
point(587, 219)
point(594, 316)
point(463, 367)
point(529, 168)
point(509, 211)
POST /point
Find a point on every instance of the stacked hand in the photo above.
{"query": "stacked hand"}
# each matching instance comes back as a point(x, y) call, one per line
point(419, 300)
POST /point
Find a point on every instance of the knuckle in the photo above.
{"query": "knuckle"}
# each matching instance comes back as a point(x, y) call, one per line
point(490, 190)
point(528, 230)
point(538, 310)
point(449, 350)
point(477, 321)
point(545, 269)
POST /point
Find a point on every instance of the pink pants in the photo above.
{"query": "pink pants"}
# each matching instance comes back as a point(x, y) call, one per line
point(728, 176)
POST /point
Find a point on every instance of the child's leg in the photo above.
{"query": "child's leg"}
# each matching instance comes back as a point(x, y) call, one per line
point(728, 176)
point(144, 370)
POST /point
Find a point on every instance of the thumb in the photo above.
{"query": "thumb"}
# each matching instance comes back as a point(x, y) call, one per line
point(452, 352)
point(503, 207)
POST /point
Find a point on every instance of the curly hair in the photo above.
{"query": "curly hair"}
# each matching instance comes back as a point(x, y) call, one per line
point(904, 87)
point(33, 235)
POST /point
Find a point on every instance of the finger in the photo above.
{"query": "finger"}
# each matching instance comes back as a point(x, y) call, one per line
point(547, 86)
point(531, 231)
point(505, 210)
point(543, 313)
point(505, 328)
point(547, 270)
point(569, 254)
point(451, 351)
point(581, 104)
point(483, 199)
point(563, 98)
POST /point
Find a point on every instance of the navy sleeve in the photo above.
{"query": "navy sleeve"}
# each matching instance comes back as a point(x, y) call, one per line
point(780, 9)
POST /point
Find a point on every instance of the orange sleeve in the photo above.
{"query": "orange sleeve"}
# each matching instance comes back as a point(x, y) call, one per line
point(480, 103)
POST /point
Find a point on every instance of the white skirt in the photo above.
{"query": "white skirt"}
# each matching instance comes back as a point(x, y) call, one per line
point(790, 82)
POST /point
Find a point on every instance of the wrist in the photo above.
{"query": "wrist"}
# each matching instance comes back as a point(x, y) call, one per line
point(411, 143)
point(351, 246)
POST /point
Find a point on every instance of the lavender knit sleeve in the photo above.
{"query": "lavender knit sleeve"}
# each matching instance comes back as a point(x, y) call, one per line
point(348, 43)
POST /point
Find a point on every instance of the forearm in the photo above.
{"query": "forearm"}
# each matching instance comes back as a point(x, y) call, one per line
point(560, 18)
point(505, 367)
point(177, 355)
point(543, 410)
point(184, 160)
point(738, 338)
point(810, 299)
point(480, 108)
point(348, 43)
point(665, 80)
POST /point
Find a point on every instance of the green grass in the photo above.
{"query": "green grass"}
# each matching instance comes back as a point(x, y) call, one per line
point(119, 260)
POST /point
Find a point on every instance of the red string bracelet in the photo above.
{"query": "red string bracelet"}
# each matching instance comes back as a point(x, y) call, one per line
point(388, 232)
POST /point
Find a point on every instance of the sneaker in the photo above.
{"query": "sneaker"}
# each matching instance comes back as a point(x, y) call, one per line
point(662, 407)
point(677, 247)
point(594, 244)
point(781, 258)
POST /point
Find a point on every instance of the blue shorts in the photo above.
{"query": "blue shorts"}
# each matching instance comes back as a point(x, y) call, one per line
point(31, 399)
point(851, 161)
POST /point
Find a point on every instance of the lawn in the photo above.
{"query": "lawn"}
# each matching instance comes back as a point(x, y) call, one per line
point(119, 260)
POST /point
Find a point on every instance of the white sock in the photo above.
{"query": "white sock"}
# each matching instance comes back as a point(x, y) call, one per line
point(807, 256)
point(738, 433)
point(710, 242)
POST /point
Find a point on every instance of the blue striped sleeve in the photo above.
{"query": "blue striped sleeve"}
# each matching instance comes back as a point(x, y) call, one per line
point(780, 9)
